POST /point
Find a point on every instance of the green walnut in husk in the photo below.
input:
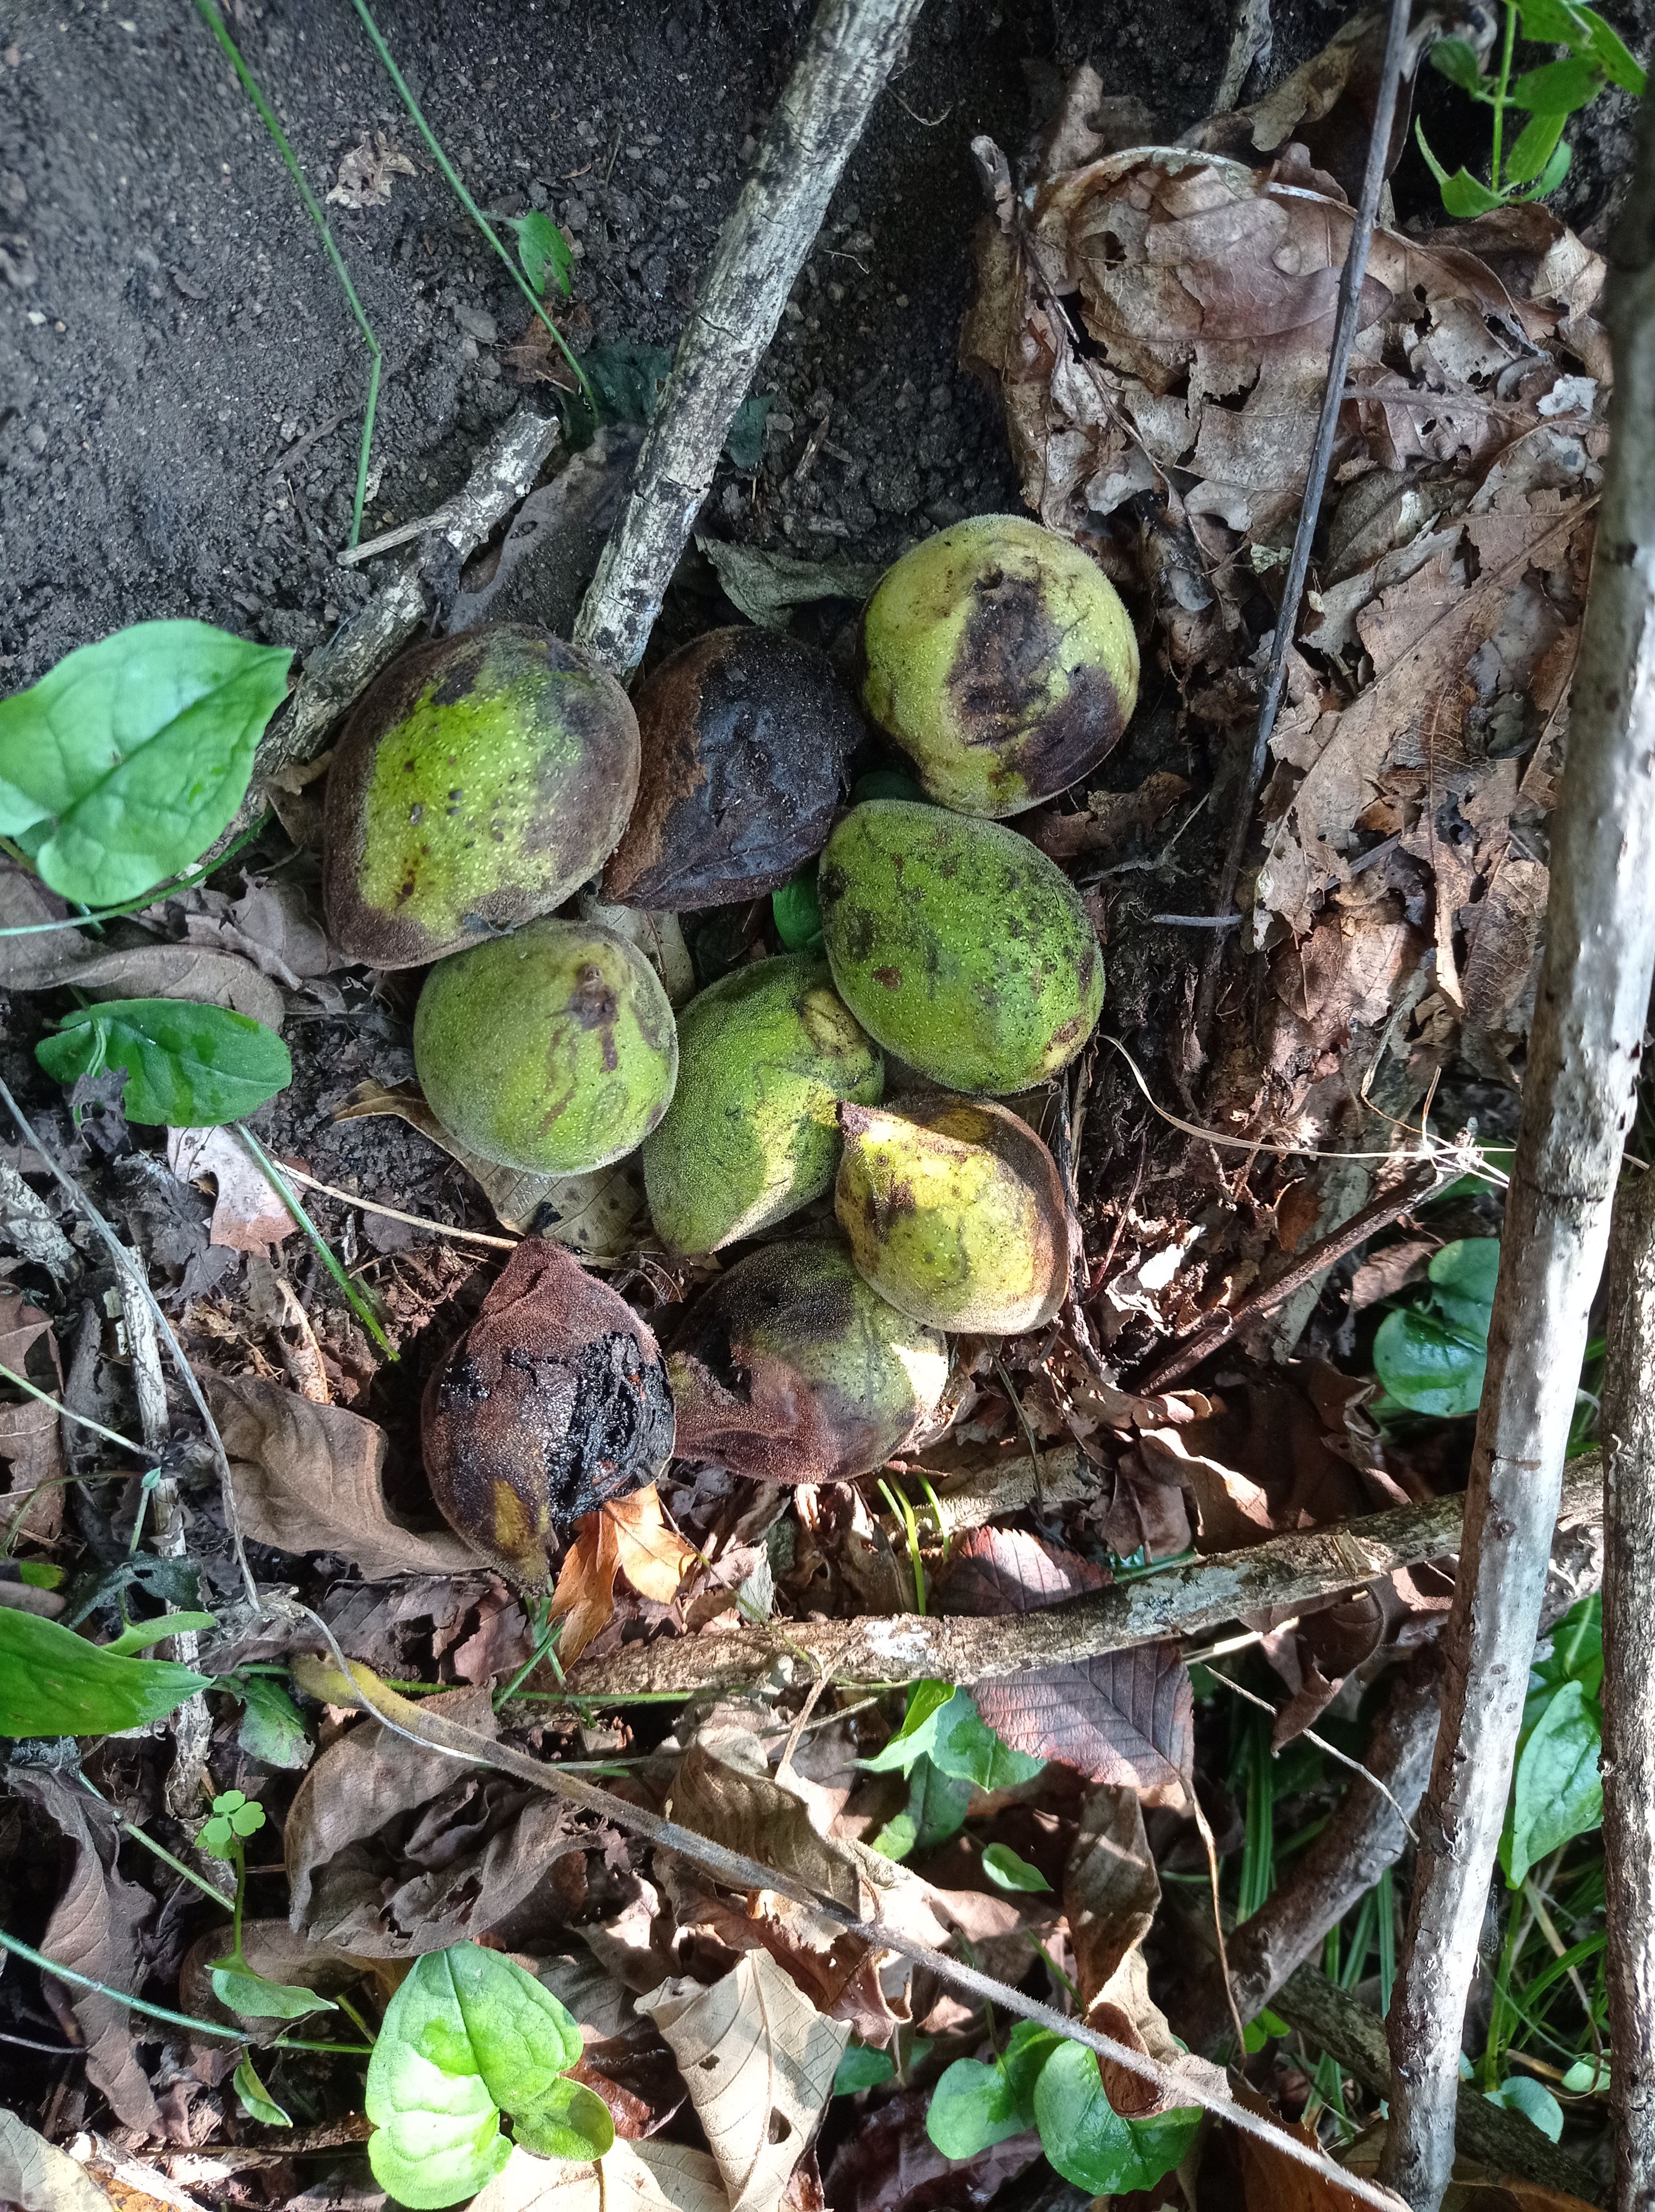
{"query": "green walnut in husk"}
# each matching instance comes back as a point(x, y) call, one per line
point(953, 1210)
point(553, 1051)
point(747, 736)
point(554, 1401)
point(791, 1369)
point(765, 1056)
point(958, 946)
point(481, 778)
point(1000, 658)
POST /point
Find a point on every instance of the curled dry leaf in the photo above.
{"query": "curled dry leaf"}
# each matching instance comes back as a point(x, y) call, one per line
point(247, 1215)
point(630, 2177)
point(363, 1879)
point(37, 2176)
point(888, 2163)
point(759, 2060)
point(310, 1478)
point(94, 1929)
point(31, 1438)
point(365, 173)
point(1127, 1717)
point(553, 1403)
point(635, 2075)
point(627, 1536)
point(724, 1788)
point(1110, 1895)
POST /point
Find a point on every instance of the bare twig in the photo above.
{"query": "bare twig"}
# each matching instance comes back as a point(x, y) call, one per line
point(1391, 70)
point(1583, 1051)
point(1284, 1572)
point(1629, 1688)
point(819, 118)
point(1187, 2086)
point(1367, 1774)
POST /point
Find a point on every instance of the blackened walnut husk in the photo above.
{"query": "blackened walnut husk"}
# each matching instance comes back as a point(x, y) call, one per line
point(746, 739)
point(555, 1400)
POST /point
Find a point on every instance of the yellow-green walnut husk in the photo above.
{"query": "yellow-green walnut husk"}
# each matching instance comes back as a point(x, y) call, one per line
point(954, 1211)
point(765, 1056)
point(552, 1051)
point(959, 946)
point(1000, 658)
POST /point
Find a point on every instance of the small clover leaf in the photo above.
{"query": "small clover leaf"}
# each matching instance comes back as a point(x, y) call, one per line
point(235, 1817)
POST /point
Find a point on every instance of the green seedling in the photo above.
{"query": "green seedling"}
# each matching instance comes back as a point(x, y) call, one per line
point(236, 1817)
point(1536, 160)
point(353, 1296)
point(1007, 1871)
point(947, 1750)
point(1431, 1355)
point(543, 251)
point(187, 1066)
point(470, 2035)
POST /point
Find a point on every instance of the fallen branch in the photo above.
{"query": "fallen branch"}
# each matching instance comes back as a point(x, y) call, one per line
point(351, 1684)
point(1583, 1051)
point(1629, 1688)
point(819, 118)
point(338, 673)
point(1283, 1571)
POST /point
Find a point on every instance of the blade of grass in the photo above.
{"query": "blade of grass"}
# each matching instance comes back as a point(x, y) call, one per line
point(1385, 1893)
point(216, 23)
point(457, 185)
point(1258, 1851)
point(289, 1198)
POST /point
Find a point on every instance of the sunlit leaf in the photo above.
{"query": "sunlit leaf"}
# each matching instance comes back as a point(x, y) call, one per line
point(53, 1682)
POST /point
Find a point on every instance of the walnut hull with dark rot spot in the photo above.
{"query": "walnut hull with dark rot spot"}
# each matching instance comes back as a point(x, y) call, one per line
point(555, 1400)
point(791, 1369)
point(1000, 658)
point(746, 737)
point(480, 781)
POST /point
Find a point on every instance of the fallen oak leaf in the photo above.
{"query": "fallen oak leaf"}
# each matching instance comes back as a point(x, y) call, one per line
point(760, 2061)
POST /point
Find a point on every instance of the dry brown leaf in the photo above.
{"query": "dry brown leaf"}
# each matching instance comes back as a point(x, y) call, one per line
point(628, 1536)
point(759, 2060)
point(38, 2177)
point(362, 1879)
point(247, 1215)
point(1111, 1893)
point(1127, 1717)
point(1003, 1571)
point(94, 1929)
point(630, 2176)
point(1272, 2182)
point(309, 1477)
point(724, 1789)
point(365, 173)
point(31, 1436)
point(600, 1214)
point(887, 2162)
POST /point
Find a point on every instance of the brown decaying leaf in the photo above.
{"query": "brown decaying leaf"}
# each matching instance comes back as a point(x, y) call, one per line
point(309, 1477)
point(1111, 1893)
point(724, 1789)
point(247, 1215)
point(1274, 2183)
point(1127, 1717)
point(94, 1929)
point(361, 1879)
point(888, 2162)
point(630, 2176)
point(31, 1437)
point(366, 171)
point(759, 2060)
point(626, 1536)
point(638, 2077)
point(553, 1403)
point(1109, 818)
point(1002, 1571)
point(38, 2177)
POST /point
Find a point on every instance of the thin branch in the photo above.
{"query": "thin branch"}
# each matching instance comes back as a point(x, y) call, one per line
point(1391, 70)
point(1283, 1571)
point(1629, 1688)
point(826, 101)
point(1583, 1051)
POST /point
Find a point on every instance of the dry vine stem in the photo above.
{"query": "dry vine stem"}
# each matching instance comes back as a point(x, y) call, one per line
point(1283, 1571)
point(1629, 1688)
point(362, 1687)
point(819, 118)
point(1583, 1051)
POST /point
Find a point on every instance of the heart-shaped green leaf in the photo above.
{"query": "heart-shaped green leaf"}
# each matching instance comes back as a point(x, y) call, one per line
point(53, 1682)
point(255, 1998)
point(187, 1066)
point(134, 753)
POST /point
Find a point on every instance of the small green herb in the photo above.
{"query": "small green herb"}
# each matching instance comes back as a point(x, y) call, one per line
point(235, 1817)
point(468, 2035)
point(53, 1682)
point(272, 1727)
point(1557, 1792)
point(946, 1751)
point(543, 251)
point(627, 380)
point(1004, 1868)
point(257, 2101)
point(1431, 1355)
point(861, 2067)
point(1521, 2092)
point(126, 760)
point(188, 1066)
point(140, 1635)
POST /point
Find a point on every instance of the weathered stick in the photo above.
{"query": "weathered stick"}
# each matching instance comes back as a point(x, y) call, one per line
point(1284, 1572)
point(1629, 1688)
point(1584, 1050)
point(816, 122)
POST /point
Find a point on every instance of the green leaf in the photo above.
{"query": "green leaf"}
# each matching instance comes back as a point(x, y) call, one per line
point(1557, 1792)
point(255, 1998)
point(861, 2067)
point(1462, 1278)
point(1558, 88)
point(968, 1749)
point(1609, 50)
point(1553, 22)
point(1457, 60)
point(53, 1682)
point(936, 1809)
point(134, 753)
point(628, 378)
point(39, 1574)
point(1089, 2142)
point(1463, 195)
point(914, 1740)
point(1003, 1866)
point(468, 2034)
point(1552, 174)
point(139, 1635)
point(257, 2101)
point(1586, 2076)
point(543, 251)
point(272, 1727)
point(1536, 144)
point(1427, 1367)
point(187, 1065)
point(972, 2106)
point(797, 911)
point(1576, 1656)
point(1522, 2094)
